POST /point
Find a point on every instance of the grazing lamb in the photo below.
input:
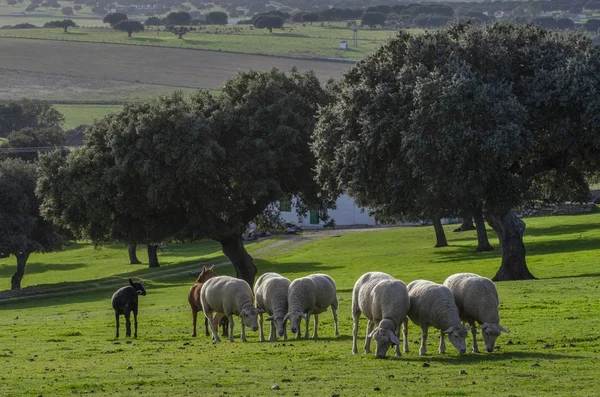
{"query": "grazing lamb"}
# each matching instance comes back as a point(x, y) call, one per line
point(433, 304)
point(311, 295)
point(125, 301)
point(271, 291)
point(194, 300)
point(384, 301)
point(228, 296)
point(477, 300)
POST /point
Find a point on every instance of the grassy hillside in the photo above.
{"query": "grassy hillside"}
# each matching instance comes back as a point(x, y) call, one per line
point(295, 41)
point(59, 345)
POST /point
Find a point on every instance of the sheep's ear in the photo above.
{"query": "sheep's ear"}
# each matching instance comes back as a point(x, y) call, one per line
point(484, 326)
point(212, 267)
point(286, 317)
point(502, 329)
point(260, 311)
point(394, 338)
point(449, 330)
point(131, 283)
point(203, 269)
point(468, 327)
point(304, 317)
point(269, 319)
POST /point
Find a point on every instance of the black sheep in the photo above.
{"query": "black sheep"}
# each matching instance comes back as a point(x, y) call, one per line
point(125, 301)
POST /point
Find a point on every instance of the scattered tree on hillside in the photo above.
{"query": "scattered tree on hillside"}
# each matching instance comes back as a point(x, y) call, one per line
point(203, 167)
point(592, 25)
point(67, 11)
point(153, 21)
point(268, 21)
point(180, 31)
point(216, 18)
point(129, 26)
point(64, 24)
point(23, 230)
point(77, 8)
point(475, 115)
point(114, 18)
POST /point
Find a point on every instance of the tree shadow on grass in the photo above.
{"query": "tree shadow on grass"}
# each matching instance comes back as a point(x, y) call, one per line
point(145, 39)
point(76, 33)
point(556, 230)
point(195, 42)
point(36, 268)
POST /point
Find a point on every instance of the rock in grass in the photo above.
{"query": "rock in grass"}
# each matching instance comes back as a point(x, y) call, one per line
point(462, 372)
point(426, 365)
point(275, 387)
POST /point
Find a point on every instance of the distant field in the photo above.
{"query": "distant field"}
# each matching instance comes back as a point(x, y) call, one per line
point(173, 67)
point(84, 114)
point(296, 40)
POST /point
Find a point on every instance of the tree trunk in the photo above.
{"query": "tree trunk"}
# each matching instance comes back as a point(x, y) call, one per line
point(128, 34)
point(483, 244)
point(15, 281)
point(152, 257)
point(133, 259)
point(510, 230)
point(467, 224)
point(65, 30)
point(440, 236)
point(234, 248)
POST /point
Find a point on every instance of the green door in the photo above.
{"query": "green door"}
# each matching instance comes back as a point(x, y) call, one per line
point(314, 217)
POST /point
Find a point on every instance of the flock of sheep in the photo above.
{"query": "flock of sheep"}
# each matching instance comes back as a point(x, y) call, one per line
point(385, 301)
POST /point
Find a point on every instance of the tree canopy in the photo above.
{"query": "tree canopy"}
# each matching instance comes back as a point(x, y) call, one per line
point(22, 229)
point(202, 167)
point(467, 114)
point(114, 18)
point(268, 21)
point(129, 26)
point(64, 24)
point(16, 115)
point(216, 18)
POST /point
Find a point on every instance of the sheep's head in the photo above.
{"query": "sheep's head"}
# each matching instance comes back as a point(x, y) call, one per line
point(384, 338)
point(206, 273)
point(138, 287)
point(457, 335)
point(249, 317)
point(279, 321)
point(490, 332)
point(295, 318)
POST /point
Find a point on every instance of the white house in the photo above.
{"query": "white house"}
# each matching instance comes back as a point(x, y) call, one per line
point(347, 213)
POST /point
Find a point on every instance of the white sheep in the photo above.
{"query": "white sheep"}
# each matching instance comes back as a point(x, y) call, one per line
point(271, 291)
point(384, 301)
point(433, 304)
point(477, 300)
point(311, 295)
point(228, 296)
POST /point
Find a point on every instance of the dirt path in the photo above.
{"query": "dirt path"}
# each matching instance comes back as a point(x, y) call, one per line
point(276, 247)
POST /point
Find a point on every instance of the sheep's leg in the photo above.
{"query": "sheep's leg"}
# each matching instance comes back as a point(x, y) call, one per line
point(117, 318)
point(230, 318)
point(474, 332)
point(335, 320)
point(285, 332)
point(424, 331)
point(405, 334)
point(206, 332)
point(127, 324)
point(213, 327)
point(397, 347)
point(261, 324)
point(307, 321)
point(370, 326)
point(273, 332)
point(135, 322)
point(355, 321)
point(316, 327)
point(442, 342)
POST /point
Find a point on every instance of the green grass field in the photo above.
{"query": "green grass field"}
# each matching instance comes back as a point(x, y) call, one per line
point(58, 345)
point(296, 40)
point(84, 114)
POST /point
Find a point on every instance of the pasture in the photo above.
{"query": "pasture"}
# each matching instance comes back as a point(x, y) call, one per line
point(294, 40)
point(64, 344)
